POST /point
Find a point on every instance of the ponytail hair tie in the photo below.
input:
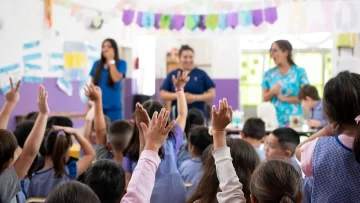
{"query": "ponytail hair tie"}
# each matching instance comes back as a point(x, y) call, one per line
point(357, 119)
point(61, 133)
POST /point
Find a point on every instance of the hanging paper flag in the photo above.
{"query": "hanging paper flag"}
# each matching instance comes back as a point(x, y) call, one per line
point(178, 22)
point(257, 17)
point(232, 20)
point(212, 21)
point(192, 21)
point(32, 79)
point(32, 66)
point(157, 19)
point(31, 57)
point(245, 18)
point(30, 45)
point(65, 86)
point(270, 15)
point(139, 19)
point(222, 21)
point(202, 22)
point(48, 13)
point(128, 16)
point(148, 20)
point(56, 67)
point(56, 55)
point(165, 21)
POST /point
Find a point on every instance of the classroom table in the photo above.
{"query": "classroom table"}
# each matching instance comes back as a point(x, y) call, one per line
point(302, 131)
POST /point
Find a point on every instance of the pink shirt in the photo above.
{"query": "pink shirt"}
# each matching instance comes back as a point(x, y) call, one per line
point(143, 178)
point(307, 151)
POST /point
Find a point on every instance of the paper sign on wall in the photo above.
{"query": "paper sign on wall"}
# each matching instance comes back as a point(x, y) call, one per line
point(14, 71)
point(75, 60)
point(32, 62)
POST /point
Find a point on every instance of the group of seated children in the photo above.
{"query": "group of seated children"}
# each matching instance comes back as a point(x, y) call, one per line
point(149, 161)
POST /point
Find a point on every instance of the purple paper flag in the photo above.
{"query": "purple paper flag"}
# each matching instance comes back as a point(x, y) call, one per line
point(232, 20)
point(202, 21)
point(270, 15)
point(178, 22)
point(128, 16)
point(139, 19)
point(157, 18)
point(257, 17)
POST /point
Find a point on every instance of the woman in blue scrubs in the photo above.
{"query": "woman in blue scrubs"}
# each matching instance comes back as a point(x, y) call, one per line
point(281, 84)
point(107, 73)
point(200, 88)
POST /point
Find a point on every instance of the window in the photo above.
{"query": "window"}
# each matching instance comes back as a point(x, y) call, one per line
point(253, 65)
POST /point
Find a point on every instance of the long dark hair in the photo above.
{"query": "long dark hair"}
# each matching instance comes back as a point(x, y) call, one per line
point(285, 45)
point(342, 110)
point(276, 181)
point(245, 160)
point(102, 62)
point(132, 150)
point(195, 117)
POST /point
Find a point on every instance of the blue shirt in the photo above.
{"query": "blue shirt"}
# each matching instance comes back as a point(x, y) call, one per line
point(191, 171)
point(199, 83)
point(291, 83)
point(260, 153)
point(318, 114)
point(111, 96)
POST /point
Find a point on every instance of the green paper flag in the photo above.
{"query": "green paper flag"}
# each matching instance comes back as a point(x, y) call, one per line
point(191, 22)
point(165, 21)
point(212, 21)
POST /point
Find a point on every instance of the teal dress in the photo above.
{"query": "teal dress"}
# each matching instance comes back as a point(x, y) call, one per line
point(291, 83)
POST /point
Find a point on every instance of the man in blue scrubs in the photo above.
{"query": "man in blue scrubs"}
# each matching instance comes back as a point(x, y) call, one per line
point(200, 88)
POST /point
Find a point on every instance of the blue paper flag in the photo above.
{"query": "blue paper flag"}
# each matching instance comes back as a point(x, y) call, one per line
point(223, 21)
point(56, 67)
point(9, 68)
point(65, 86)
point(32, 66)
point(148, 20)
point(245, 18)
point(31, 57)
point(56, 55)
point(32, 79)
point(30, 45)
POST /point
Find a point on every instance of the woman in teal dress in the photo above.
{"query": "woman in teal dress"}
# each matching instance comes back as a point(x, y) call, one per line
point(282, 83)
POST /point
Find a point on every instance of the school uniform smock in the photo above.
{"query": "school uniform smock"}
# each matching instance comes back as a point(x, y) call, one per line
point(111, 96)
point(199, 83)
point(291, 83)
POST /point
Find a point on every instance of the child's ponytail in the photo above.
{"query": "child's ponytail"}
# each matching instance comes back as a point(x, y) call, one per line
point(286, 199)
point(356, 144)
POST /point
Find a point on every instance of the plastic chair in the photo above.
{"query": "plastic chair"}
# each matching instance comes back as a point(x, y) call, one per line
point(267, 112)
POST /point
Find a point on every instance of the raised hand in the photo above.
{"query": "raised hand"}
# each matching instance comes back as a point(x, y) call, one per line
point(13, 95)
point(181, 79)
point(68, 130)
point(42, 101)
point(156, 135)
point(223, 117)
point(141, 116)
point(93, 92)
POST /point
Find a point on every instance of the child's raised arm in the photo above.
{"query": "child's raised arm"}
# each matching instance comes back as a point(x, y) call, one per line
point(94, 94)
point(88, 122)
point(229, 184)
point(182, 108)
point(11, 99)
point(33, 142)
point(141, 116)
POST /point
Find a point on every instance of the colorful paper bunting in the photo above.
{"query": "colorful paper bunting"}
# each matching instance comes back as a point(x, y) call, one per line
point(222, 21)
point(212, 21)
point(165, 21)
point(202, 22)
point(245, 18)
point(157, 19)
point(232, 20)
point(148, 20)
point(178, 22)
point(139, 19)
point(257, 17)
point(128, 16)
point(270, 15)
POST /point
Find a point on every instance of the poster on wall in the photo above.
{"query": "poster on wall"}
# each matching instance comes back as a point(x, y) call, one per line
point(75, 60)
point(32, 62)
point(14, 71)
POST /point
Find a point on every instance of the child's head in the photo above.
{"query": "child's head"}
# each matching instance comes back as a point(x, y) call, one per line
point(93, 133)
point(22, 131)
point(245, 160)
point(72, 192)
point(119, 134)
point(254, 128)
point(60, 121)
point(194, 117)
point(8, 146)
point(107, 179)
point(32, 116)
point(281, 143)
point(56, 145)
point(199, 140)
point(309, 97)
point(276, 181)
point(341, 106)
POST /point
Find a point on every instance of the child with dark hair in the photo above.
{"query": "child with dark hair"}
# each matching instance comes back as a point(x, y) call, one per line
point(59, 121)
point(254, 133)
point(191, 170)
point(14, 167)
point(311, 101)
point(32, 116)
point(57, 167)
point(107, 179)
point(22, 131)
point(281, 144)
point(332, 155)
point(195, 118)
point(72, 192)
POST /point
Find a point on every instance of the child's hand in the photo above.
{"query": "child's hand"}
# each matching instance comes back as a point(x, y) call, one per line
point(93, 92)
point(42, 101)
point(90, 114)
point(141, 116)
point(222, 118)
point(181, 80)
point(13, 95)
point(156, 135)
point(70, 131)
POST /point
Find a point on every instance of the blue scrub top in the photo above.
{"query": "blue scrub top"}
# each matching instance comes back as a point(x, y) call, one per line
point(291, 82)
point(199, 83)
point(111, 96)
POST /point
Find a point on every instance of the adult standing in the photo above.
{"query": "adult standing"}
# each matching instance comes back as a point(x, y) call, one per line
point(281, 84)
point(107, 73)
point(200, 88)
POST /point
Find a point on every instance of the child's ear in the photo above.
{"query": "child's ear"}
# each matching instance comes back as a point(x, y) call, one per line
point(288, 153)
point(190, 148)
point(253, 199)
point(242, 135)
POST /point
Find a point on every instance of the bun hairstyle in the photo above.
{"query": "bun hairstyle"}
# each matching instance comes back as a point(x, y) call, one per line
point(185, 48)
